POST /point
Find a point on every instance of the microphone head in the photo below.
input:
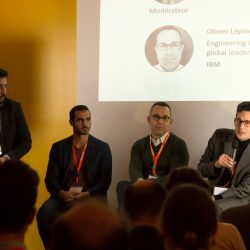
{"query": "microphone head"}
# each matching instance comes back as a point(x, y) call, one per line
point(235, 144)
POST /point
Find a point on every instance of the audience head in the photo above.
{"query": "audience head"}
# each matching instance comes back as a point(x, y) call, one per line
point(89, 225)
point(144, 199)
point(189, 218)
point(185, 175)
point(146, 238)
point(18, 193)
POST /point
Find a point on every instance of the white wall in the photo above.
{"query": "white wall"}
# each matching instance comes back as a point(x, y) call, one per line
point(122, 123)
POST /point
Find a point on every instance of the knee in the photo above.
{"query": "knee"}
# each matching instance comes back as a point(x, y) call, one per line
point(122, 186)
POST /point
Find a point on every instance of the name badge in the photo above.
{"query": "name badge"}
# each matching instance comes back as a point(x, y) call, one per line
point(76, 189)
point(151, 177)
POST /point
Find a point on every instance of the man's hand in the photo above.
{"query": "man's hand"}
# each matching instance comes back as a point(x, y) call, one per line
point(82, 196)
point(140, 180)
point(66, 196)
point(224, 161)
point(3, 159)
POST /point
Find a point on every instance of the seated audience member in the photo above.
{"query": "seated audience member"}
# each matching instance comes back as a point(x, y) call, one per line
point(189, 218)
point(146, 238)
point(89, 225)
point(18, 193)
point(79, 166)
point(227, 235)
point(239, 217)
point(143, 204)
point(154, 156)
point(186, 175)
point(226, 161)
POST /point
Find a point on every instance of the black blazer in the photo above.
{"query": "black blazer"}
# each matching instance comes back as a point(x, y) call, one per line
point(97, 162)
point(15, 136)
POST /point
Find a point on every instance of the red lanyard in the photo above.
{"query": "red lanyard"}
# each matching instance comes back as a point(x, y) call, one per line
point(156, 157)
point(79, 164)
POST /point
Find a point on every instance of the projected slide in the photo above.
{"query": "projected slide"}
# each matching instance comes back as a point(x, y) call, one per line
point(174, 50)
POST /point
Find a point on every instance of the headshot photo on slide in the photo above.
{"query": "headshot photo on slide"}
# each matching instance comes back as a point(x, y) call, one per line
point(169, 1)
point(169, 48)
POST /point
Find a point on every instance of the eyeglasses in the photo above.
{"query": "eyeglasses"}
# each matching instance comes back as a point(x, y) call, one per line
point(157, 118)
point(238, 122)
point(172, 46)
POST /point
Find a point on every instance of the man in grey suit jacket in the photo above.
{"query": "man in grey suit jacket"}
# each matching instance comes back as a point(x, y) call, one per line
point(79, 166)
point(15, 139)
point(226, 161)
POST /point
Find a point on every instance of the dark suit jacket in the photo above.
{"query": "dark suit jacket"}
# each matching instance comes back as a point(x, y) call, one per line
point(15, 135)
point(174, 154)
point(97, 162)
point(219, 143)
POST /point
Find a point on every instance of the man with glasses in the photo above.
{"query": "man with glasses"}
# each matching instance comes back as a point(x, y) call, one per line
point(226, 161)
point(154, 156)
point(169, 49)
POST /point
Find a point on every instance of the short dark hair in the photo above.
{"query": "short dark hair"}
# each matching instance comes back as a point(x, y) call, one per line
point(18, 193)
point(186, 175)
point(189, 217)
point(243, 106)
point(3, 73)
point(162, 104)
point(90, 224)
point(76, 108)
point(144, 198)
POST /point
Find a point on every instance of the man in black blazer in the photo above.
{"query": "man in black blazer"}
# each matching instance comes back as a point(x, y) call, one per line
point(15, 139)
point(226, 161)
point(79, 166)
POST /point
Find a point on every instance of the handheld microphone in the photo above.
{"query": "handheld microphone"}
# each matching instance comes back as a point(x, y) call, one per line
point(235, 146)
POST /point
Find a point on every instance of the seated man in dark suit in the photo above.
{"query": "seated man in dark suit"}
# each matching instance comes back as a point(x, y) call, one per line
point(15, 139)
point(226, 161)
point(79, 166)
point(155, 155)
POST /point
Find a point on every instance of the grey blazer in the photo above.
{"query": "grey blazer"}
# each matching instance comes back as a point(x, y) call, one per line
point(219, 143)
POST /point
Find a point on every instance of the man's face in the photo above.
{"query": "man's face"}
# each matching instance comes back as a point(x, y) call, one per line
point(159, 121)
point(242, 125)
point(3, 88)
point(82, 122)
point(169, 49)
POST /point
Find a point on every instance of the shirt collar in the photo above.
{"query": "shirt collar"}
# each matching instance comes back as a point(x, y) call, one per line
point(158, 141)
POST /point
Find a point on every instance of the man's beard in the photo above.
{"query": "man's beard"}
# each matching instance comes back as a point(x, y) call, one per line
point(84, 131)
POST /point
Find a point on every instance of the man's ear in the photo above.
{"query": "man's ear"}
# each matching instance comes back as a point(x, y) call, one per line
point(148, 118)
point(71, 123)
